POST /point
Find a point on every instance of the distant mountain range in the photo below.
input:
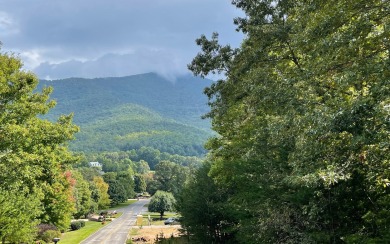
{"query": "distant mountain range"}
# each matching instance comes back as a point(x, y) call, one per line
point(124, 113)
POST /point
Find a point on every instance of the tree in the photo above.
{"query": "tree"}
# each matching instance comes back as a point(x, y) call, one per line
point(142, 167)
point(160, 202)
point(89, 173)
point(140, 183)
point(206, 216)
point(126, 178)
point(116, 191)
point(81, 195)
point(170, 176)
point(18, 216)
point(100, 192)
point(34, 155)
point(148, 154)
point(302, 120)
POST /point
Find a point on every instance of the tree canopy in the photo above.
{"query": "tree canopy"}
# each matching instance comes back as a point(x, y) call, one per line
point(33, 154)
point(303, 120)
point(161, 202)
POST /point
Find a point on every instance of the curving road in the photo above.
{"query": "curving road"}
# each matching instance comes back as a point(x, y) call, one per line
point(116, 232)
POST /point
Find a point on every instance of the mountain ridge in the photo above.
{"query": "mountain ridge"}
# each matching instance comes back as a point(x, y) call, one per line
point(124, 113)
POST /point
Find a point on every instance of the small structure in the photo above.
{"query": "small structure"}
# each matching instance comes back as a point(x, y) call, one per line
point(139, 220)
point(95, 165)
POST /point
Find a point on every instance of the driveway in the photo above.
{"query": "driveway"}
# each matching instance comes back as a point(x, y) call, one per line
point(116, 232)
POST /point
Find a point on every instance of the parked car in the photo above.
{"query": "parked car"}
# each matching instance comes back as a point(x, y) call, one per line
point(170, 221)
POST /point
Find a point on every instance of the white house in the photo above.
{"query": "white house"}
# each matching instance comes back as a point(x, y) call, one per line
point(95, 164)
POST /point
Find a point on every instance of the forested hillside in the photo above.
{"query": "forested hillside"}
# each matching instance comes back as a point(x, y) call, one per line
point(119, 114)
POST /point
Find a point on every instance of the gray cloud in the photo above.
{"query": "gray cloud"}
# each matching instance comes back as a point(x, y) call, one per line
point(140, 61)
point(58, 38)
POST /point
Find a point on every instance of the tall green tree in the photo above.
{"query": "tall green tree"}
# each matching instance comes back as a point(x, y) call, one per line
point(202, 204)
point(139, 183)
point(161, 202)
point(170, 176)
point(18, 216)
point(121, 186)
point(34, 154)
point(126, 178)
point(116, 191)
point(142, 167)
point(303, 120)
point(81, 195)
point(100, 192)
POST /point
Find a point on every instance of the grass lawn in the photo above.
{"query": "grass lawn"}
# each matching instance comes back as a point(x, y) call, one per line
point(156, 217)
point(77, 236)
point(90, 227)
point(122, 205)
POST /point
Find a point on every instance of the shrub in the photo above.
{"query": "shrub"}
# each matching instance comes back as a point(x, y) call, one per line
point(76, 225)
point(43, 228)
point(82, 223)
point(48, 235)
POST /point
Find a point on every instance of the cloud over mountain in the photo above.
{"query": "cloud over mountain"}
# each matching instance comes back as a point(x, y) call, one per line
point(59, 39)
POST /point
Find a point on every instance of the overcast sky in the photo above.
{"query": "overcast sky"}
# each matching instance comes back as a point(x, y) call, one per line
point(101, 38)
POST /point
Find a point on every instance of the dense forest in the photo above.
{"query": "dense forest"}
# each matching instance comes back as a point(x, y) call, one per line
point(303, 122)
point(127, 113)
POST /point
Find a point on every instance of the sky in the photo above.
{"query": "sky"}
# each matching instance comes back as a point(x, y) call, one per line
point(110, 38)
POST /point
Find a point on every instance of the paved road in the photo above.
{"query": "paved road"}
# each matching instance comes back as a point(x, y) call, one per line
point(116, 232)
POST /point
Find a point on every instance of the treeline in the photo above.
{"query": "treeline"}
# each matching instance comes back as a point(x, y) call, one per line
point(118, 161)
point(303, 119)
point(95, 189)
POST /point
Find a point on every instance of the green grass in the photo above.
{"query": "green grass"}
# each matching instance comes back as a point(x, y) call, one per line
point(122, 205)
point(77, 236)
point(156, 217)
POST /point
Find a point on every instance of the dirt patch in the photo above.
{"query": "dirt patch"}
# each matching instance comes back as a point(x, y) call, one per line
point(149, 234)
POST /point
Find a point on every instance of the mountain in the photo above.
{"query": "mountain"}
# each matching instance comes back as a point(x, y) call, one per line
point(124, 113)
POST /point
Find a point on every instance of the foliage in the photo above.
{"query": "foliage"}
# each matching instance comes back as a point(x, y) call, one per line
point(135, 111)
point(49, 235)
point(303, 120)
point(42, 228)
point(75, 225)
point(81, 195)
point(142, 167)
point(141, 160)
point(88, 173)
point(19, 213)
point(33, 152)
point(100, 192)
point(116, 191)
point(160, 202)
point(170, 177)
point(126, 178)
point(206, 216)
point(140, 183)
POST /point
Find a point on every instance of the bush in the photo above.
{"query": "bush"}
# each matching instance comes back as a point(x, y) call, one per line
point(82, 223)
point(77, 225)
point(48, 235)
point(43, 228)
